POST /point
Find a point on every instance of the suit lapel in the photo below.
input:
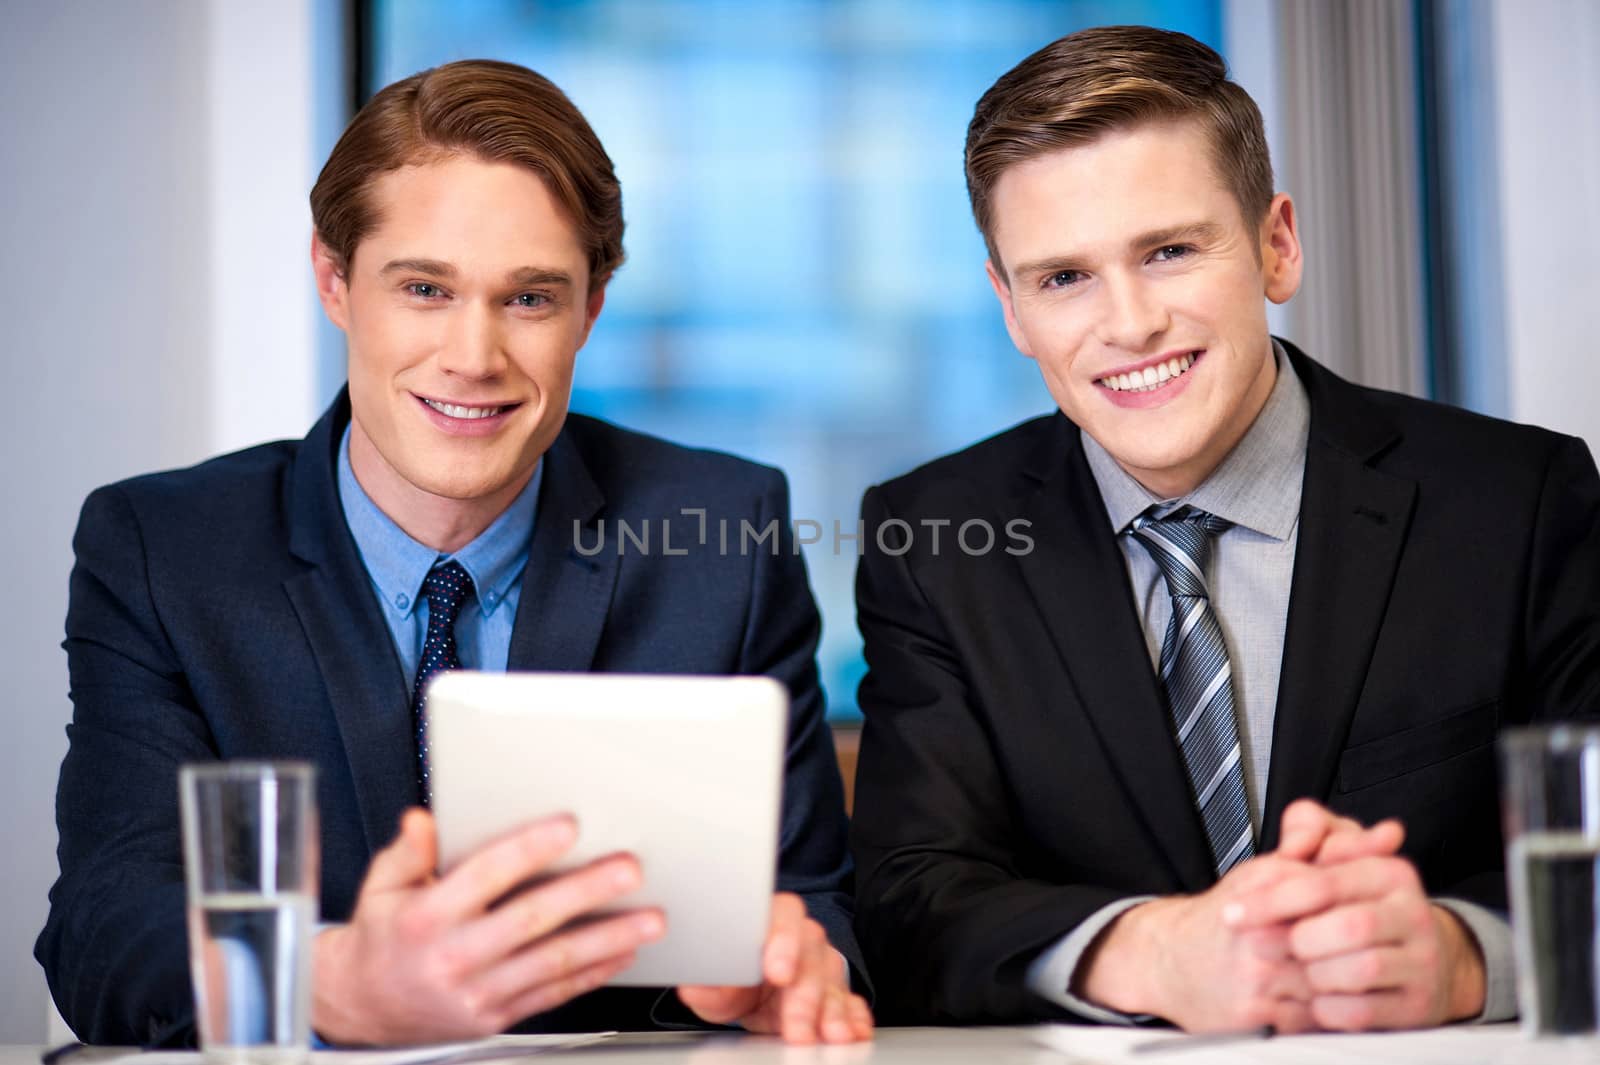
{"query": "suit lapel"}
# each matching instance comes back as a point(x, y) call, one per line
point(1079, 581)
point(1353, 524)
point(353, 648)
point(565, 595)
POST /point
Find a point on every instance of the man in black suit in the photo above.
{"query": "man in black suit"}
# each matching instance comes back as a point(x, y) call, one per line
point(1121, 769)
point(291, 601)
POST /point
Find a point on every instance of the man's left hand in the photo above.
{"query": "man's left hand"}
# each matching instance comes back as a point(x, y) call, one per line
point(805, 991)
point(1377, 953)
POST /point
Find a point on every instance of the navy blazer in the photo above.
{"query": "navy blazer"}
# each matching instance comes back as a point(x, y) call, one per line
point(223, 611)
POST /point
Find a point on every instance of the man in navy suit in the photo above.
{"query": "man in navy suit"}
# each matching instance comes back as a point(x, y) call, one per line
point(275, 603)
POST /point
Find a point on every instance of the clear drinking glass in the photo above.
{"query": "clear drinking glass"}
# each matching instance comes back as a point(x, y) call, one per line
point(1550, 786)
point(250, 858)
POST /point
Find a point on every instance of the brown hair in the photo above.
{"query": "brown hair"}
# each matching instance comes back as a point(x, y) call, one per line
point(499, 112)
point(1093, 82)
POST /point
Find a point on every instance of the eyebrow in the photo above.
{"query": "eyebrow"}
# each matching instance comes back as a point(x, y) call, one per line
point(525, 275)
point(1196, 232)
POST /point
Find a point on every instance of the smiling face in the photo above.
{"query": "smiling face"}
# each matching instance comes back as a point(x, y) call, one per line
point(1133, 280)
point(464, 309)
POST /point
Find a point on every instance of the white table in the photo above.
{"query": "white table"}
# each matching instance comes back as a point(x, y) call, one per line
point(1486, 1045)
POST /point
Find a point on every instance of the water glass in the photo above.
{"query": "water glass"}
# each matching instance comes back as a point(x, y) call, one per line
point(250, 859)
point(1550, 786)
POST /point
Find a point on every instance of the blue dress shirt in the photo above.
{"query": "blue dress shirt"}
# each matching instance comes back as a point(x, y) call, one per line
point(397, 565)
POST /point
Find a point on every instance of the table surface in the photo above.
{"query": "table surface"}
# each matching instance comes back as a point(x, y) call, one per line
point(1043, 1045)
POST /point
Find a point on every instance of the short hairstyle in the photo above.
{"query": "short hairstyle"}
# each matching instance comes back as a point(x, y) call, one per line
point(498, 112)
point(1109, 78)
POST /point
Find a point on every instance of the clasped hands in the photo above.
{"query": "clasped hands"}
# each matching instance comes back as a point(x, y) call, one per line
point(427, 958)
point(1330, 931)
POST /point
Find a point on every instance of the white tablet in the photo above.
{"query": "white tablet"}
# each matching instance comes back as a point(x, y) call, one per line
point(686, 773)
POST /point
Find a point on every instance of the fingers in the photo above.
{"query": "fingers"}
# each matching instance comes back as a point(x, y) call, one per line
point(560, 957)
point(494, 870)
point(833, 1026)
point(1383, 838)
point(1345, 929)
point(1356, 1013)
point(1306, 824)
point(1291, 1017)
point(409, 860)
point(1313, 833)
point(800, 1005)
point(1312, 890)
point(806, 996)
point(818, 1006)
point(1376, 969)
point(549, 996)
point(859, 1014)
point(780, 958)
point(538, 911)
point(1266, 944)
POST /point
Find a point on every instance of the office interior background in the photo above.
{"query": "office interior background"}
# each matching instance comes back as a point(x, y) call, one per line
point(804, 284)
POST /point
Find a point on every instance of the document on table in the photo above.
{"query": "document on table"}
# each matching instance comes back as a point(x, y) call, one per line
point(1490, 1044)
point(498, 1048)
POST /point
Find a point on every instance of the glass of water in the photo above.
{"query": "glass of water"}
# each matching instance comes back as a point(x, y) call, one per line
point(250, 858)
point(1550, 784)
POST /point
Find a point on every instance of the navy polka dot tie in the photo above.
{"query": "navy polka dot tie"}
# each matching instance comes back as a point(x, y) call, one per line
point(446, 588)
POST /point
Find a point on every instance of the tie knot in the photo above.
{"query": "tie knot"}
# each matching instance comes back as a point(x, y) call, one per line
point(1180, 544)
point(446, 588)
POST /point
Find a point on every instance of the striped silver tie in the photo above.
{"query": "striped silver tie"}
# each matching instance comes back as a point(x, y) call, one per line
point(1197, 679)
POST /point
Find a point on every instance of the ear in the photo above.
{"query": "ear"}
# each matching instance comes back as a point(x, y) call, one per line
point(1002, 292)
point(591, 311)
point(333, 288)
point(1281, 262)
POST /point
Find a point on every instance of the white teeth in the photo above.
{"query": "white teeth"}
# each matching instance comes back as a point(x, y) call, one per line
point(468, 413)
point(1151, 377)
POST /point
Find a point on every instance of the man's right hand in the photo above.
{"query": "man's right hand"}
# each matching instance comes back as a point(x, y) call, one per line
point(1176, 958)
point(427, 959)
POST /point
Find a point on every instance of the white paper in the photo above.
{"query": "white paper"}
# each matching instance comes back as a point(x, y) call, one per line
point(1494, 1044)
point(497, 1048)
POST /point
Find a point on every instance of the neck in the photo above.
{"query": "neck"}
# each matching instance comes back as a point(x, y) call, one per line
point(1177, 481)
point(440, 522)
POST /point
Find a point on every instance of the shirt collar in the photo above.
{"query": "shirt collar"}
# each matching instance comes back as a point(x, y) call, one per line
point(398, 564)
point(1257, 486)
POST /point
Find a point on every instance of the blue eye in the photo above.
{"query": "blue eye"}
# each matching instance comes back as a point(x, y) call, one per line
point(531, 300)
point(423, 290)
point(1060, 279)
point(1172, 251)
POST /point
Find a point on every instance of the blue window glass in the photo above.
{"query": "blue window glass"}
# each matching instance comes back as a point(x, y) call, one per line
point(804, 283)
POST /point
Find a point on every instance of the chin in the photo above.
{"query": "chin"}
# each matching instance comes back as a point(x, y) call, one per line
point(1140, 455)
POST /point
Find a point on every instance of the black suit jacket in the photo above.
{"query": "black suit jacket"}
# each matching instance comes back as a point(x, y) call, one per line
point(1017, 768)
point(223, 611)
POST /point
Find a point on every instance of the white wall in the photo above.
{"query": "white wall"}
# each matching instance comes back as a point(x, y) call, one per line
point(152, 320)
point(1547, 75)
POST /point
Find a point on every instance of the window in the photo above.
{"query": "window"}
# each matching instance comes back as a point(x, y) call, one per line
point(804, 283)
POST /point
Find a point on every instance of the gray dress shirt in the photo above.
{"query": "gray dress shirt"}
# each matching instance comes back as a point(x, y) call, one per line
point(1257, 488)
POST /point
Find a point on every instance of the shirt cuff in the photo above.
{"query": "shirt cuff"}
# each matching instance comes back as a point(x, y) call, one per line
point(1493, 933)
point(1050, 975)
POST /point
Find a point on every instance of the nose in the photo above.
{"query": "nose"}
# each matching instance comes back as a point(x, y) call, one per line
point(472, 349)
point(1134, 315)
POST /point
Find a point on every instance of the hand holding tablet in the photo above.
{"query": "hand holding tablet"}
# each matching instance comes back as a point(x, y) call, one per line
point(495, 906)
